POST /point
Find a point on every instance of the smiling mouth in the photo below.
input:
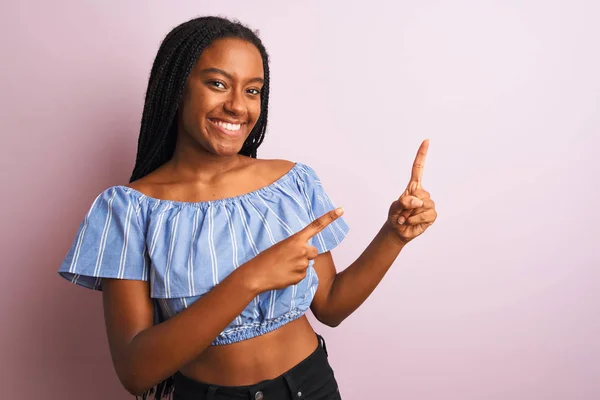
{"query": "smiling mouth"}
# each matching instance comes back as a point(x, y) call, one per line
point(227, 128)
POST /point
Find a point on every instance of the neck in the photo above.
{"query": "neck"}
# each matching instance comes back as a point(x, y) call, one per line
point(193, 162)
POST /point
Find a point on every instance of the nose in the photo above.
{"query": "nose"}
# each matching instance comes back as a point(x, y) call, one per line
point(235, 103)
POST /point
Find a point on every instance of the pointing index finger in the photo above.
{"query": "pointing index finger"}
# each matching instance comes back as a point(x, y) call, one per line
point(418, 165)
point(320, 223)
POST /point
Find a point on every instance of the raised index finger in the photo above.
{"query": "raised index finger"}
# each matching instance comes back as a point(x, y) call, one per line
point(418, 165)
point(320, 223)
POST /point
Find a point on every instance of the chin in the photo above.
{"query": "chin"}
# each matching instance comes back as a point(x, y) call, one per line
point(229, 151)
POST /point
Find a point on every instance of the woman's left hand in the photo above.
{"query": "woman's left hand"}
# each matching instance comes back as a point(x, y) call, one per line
point(414, 211)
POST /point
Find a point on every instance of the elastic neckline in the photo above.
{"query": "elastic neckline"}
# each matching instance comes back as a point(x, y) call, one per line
point(224, 200)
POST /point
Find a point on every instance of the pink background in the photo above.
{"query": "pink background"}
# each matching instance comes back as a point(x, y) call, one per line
point(499, 300)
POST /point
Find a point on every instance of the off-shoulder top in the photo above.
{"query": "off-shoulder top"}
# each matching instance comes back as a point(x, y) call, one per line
point(184, 249)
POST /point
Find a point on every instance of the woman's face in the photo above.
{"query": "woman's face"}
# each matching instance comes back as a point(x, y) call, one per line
point(221, 102)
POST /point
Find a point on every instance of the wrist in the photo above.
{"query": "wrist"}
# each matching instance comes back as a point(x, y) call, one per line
point(390, 234)
point(248, 279)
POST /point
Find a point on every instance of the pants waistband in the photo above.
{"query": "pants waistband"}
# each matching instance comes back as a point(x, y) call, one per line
point(283, 385)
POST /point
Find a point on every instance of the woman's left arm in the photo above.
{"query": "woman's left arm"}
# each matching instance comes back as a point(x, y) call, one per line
point(340, 294)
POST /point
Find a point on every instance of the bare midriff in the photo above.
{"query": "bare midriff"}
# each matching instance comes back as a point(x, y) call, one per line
point(257, 359)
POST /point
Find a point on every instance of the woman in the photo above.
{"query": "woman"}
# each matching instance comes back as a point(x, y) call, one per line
point(209, 259)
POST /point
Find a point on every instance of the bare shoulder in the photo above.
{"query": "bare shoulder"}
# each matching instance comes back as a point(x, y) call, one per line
point(137, 185)
point(273, 169)
point(263, 172)
point(151, 183)
point(141, 185)
point(281, 165)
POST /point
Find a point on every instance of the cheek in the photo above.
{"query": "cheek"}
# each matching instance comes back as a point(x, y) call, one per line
point(254, 111)
point(194, 109)
point(189, 116)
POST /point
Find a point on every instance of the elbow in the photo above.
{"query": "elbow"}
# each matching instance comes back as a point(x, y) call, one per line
point(329, 320)
point(334, 323)
point(137, 384)
point(134, 386)
point(133, 372)
point(131, 380)
point(134, 391)
point(325, 316)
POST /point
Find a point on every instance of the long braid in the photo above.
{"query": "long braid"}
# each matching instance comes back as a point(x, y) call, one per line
point(172, 66)
point(254, 141)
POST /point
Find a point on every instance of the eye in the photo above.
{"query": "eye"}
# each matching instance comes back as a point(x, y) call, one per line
point(217, 84)
point(254, 92)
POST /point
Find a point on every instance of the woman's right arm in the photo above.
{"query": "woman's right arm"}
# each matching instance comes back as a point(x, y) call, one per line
point(145, 354)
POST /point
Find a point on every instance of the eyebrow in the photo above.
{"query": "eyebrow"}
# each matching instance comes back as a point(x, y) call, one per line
point(228, 75)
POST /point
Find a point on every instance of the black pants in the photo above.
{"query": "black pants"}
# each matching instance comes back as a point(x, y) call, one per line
point(311, 379)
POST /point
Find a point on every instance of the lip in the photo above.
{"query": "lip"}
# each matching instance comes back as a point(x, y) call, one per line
point(225, 131)
point(226, 121)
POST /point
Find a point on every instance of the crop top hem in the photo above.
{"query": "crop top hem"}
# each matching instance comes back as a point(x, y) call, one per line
point(249, 331)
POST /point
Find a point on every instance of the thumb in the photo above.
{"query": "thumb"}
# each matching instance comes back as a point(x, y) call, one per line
point(405, 203)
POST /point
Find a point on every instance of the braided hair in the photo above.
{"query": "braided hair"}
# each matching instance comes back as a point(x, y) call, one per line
point(174, 61)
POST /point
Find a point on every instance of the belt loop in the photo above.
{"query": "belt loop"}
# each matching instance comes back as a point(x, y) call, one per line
point(296, 394)
point(210, 395)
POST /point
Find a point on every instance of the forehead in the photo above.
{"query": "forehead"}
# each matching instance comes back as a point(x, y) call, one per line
point(232, 55)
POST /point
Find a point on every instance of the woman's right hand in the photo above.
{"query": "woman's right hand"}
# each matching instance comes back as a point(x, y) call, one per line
point(285, 263)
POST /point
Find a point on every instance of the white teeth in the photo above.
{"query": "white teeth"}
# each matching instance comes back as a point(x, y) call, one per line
point(228, 126)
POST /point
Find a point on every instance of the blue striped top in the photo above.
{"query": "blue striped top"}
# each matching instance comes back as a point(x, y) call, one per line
point(184, 249)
